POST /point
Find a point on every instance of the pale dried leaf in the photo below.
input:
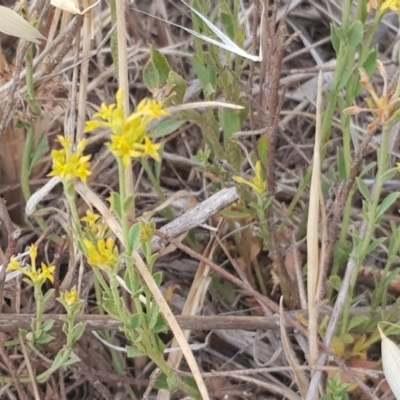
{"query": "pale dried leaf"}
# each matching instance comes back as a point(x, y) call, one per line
point(391, 363)
point(11, 23)
point(71, 6)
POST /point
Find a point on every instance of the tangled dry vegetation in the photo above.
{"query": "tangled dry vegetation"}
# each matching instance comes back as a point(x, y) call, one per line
point(233, 274)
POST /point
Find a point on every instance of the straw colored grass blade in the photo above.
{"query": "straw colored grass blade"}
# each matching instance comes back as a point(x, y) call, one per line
point(313, 270)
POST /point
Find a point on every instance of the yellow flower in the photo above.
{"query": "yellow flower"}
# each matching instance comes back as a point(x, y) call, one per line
point(152, 149)
point(68, 165)
point(70, 297)
point(46, 272)
point(147, 231)
point(121, 147)
point(91, 218)
point(258, 184)
point(36, 276)
point(381, 107)
point(104, 255)
point(151, 108)
point(14, 265)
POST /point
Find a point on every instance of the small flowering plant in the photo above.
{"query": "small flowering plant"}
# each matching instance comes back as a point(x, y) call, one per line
point(36, 277)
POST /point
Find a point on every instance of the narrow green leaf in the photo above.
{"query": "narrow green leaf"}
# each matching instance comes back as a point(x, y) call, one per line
point(116, 204)
point(134, 237)
point(166, 127)
point(357, 321)
point(375, 244)
point(341, 165)
point(386, 204)
point(41, 149)
point(335, 39)
point(363, 188)
point(389, 174)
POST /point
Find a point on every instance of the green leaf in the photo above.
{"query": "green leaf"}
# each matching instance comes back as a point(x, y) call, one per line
point(116, 204)
point(167, 127)
point(133, 352)
point(206, 76)
point(228, 23)
point(230, 122)
point(44, 338)
point(136, 321)
point(375, 244)
point(127, 204)
point(132, 280)
point(233, 154)
point(345, 77)
point(158, 278)
point(151, 78)
point(335, 38)
point(48, 295)
point(161, 382)
point(110, 307)
point(160, 326)
point(370, 62)
point(78, 331)
point(57, 362)
point(263, 150)
point(71, 360)
point(341, 165)
point(389, 174)
point(355, 33)
point(161, 65)
point(152, 315)
point(180, 86)
point(134, 237)
point(357, 321)
point(336, 282)
point(41, 149)
point(48, 325)
point(386, 204)
point(363, 188)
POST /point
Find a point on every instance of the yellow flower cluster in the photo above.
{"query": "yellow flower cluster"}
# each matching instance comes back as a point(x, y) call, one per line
point(129, 135)
point(103, 255)
point(37, 276)
point(68, 165)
